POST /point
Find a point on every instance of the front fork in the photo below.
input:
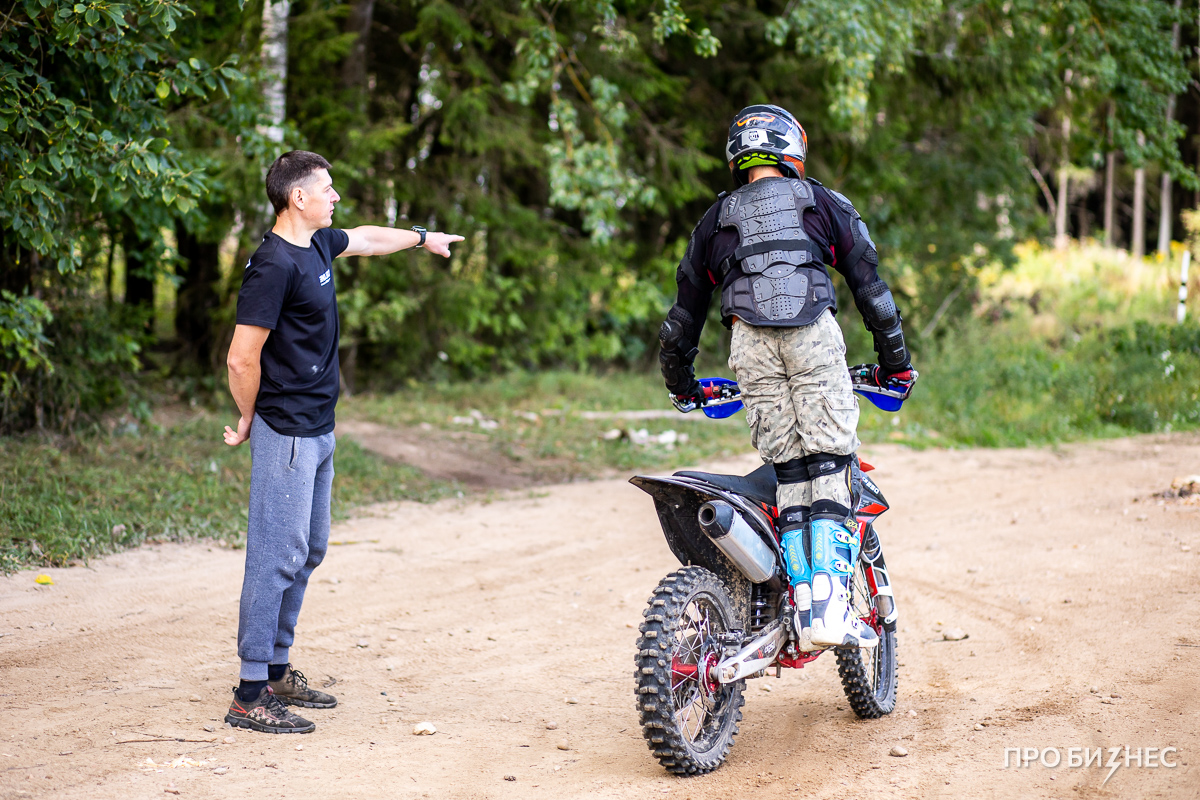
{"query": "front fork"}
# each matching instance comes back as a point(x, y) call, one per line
point(878, 581)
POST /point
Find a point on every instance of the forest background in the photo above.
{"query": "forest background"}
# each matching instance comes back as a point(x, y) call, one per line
point(1016, 160)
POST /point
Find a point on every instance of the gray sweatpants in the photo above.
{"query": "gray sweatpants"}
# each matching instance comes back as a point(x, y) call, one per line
point(287, 536)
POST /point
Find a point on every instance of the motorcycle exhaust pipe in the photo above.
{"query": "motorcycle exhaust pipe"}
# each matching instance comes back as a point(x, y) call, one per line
point(730, 532)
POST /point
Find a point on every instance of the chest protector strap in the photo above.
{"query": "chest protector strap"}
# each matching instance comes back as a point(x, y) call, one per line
point(777, 275)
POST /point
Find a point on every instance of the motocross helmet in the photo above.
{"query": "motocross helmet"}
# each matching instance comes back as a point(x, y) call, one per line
point(765, 136)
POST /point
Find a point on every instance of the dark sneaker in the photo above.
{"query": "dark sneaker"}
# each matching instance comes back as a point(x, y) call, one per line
point(267, 714)
point(293, 689)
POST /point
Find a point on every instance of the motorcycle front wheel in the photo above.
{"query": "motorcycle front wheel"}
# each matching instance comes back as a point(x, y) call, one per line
point(688, 719)
point(869, 677)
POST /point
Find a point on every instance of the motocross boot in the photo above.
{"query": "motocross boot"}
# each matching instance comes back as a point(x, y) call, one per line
point(834, 553)
point(795, 537)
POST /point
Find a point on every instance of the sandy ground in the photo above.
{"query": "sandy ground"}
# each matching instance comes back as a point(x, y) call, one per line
point(492, 617)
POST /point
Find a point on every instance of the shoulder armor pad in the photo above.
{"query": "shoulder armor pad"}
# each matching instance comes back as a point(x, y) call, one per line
point(722, 196)
point(815, 182)
point(804, 192)
point(843, 202)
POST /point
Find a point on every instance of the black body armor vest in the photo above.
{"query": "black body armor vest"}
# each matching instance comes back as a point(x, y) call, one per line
point(777, 275)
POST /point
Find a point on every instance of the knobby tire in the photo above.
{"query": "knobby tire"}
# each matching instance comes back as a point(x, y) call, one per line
point(688, 726)
point(869, 681)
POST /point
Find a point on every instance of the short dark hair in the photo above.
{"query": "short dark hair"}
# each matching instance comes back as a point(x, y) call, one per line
point(290, 170)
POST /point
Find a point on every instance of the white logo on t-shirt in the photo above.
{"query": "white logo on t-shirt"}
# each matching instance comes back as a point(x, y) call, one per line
point(324, 279)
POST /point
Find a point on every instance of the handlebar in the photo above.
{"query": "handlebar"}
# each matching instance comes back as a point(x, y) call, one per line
point(723, 397)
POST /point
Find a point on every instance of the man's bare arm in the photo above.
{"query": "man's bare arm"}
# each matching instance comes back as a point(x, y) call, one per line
point(375, 240)
point(245, 369)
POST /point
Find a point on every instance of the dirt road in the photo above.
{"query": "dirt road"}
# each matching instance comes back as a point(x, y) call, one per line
point(494, 617)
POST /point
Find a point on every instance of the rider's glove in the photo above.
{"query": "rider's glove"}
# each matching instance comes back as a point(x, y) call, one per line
point(694, 393)
point(901, 381)
point(681, 379)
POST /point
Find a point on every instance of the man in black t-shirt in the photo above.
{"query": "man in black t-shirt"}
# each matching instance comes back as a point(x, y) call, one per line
point(283, 373)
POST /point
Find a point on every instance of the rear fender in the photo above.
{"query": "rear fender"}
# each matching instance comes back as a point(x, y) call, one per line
point(677, 501)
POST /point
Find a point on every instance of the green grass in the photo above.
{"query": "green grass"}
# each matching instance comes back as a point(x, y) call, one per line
point(1000, 385)
point(65, 501)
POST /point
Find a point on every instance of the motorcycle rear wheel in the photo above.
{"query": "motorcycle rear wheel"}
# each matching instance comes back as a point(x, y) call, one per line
point(688, 720)
point(869, 677)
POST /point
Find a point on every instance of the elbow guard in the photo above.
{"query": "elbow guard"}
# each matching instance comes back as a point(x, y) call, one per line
point(882, 319)
point(676, 338)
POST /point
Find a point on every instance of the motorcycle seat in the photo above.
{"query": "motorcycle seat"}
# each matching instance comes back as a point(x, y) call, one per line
point(759, 485)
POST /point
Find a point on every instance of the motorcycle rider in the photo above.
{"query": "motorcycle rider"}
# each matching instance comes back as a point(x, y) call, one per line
point(767, 246)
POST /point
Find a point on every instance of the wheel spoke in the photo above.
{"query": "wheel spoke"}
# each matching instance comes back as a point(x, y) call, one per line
point(691, 719)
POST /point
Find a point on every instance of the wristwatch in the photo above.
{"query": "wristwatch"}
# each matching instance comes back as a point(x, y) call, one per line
point(421, 231)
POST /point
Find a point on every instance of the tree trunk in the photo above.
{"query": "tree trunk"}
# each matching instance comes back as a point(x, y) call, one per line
point(274, 61)
point(354, 70)
point(108, 269)
point(139, 273)
point(197, 297)
point(16, 268)
point(1165, 216)
point(1060, 218)
point(1110, 176)
point(1110, 181)
point(1138, 244)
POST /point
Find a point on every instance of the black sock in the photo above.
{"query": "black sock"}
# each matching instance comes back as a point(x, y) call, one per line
point(275, 672)
point(248, 691)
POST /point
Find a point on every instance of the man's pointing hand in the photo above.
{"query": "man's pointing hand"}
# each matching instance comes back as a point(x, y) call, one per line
point(439, 243)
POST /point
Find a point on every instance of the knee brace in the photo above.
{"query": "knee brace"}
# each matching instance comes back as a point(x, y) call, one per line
point(793, 471)
point(826, 464)
point(832, 483)
point(805, 468)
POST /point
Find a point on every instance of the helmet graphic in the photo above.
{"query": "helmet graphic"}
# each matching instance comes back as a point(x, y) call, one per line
point(765, 136)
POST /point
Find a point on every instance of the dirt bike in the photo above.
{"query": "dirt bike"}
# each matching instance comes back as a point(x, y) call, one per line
point(727, 615)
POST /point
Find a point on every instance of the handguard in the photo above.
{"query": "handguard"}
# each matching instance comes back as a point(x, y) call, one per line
point(718, 398)
point(886, 391)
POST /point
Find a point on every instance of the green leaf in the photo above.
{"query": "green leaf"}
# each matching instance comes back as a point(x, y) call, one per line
point(158, 145)
point(92, 16)
point(195, 63)
point(162, 90)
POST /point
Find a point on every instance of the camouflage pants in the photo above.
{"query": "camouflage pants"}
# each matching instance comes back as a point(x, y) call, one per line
point(799, 400)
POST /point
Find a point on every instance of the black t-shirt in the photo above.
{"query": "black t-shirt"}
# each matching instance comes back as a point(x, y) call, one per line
point(289, 289)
